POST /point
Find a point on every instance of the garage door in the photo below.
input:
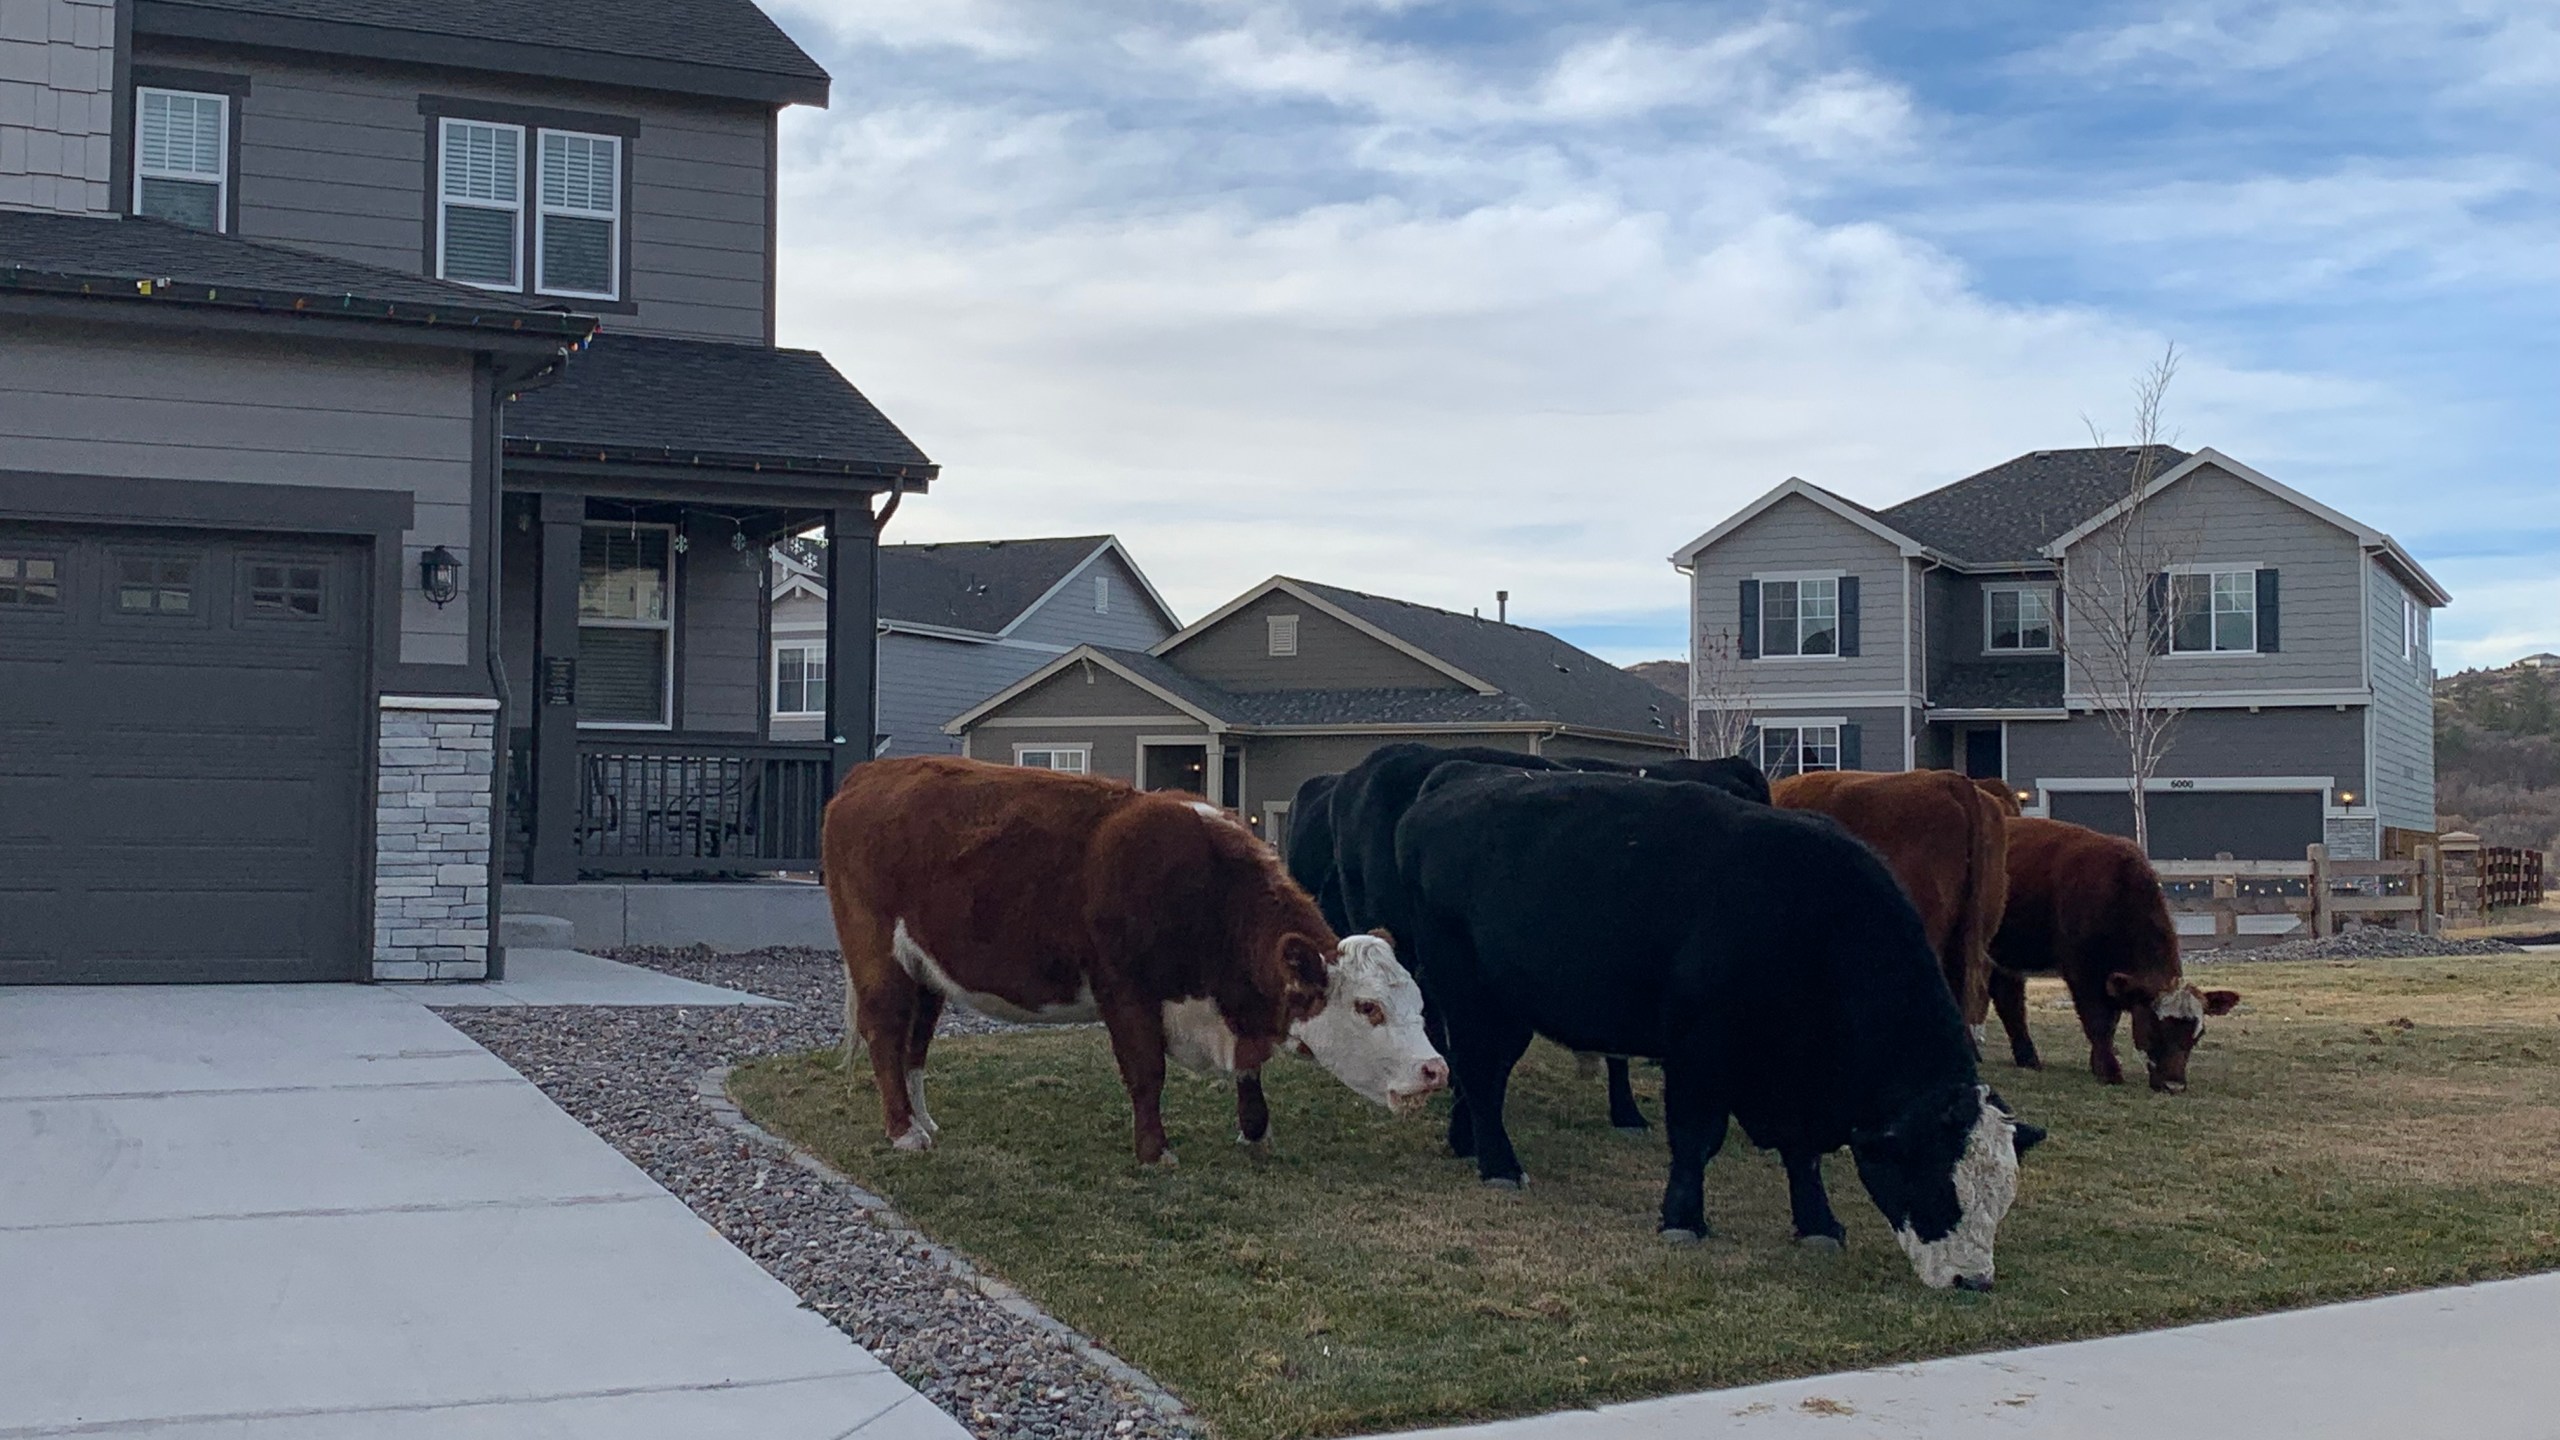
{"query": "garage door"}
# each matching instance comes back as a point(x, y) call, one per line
point(182, 757)
point(2199, 824)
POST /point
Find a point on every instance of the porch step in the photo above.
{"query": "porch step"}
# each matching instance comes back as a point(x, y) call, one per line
point(536, 932)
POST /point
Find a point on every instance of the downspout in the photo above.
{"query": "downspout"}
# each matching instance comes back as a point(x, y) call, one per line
point(1911, 737)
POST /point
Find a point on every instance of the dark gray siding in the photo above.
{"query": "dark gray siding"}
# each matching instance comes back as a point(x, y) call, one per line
point(1235, 654)
point(334, 158)
point(2404, 732)
point(1069, 618)
point(2305, 740)
point(1584, 747)
point(719, 633)
point(111, 402)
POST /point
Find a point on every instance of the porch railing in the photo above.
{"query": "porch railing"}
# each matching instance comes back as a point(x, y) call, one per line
point(680, 805)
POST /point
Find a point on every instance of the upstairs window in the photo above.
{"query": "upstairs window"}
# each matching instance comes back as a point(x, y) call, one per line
point(578, 244)
point(181, 157)
point(2020, 618)
point(1800, 617)
point(480, 204)
point(2213, 612)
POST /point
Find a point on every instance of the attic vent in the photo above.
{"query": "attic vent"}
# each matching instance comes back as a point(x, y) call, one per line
point(1101, 594)
point(1284, 634)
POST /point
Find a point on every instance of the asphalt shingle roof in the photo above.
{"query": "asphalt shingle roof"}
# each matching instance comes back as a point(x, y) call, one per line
point(979, 585)
point(2012, 510)
point(650, 398)
point(111, 257)
point(731, 34)
point(2000, 685)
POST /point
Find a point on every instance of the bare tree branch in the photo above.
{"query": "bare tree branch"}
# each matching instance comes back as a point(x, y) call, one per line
point(1720, 709)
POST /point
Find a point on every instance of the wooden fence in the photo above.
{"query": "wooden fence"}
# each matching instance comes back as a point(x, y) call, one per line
point(2480, 878)
point(2322, 895)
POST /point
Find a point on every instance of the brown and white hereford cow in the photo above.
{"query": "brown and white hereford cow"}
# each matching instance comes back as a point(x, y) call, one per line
point(2088, 907)
point(1942, 838)
point(1056, 899)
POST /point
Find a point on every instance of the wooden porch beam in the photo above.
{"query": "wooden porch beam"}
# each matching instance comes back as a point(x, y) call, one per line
point(853, 638)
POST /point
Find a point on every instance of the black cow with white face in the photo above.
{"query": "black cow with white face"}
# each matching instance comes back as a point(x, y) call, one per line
point(1767, 959)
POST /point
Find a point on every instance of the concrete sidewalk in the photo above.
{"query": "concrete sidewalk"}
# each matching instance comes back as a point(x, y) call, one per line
point(308, 1211)
point(2476, 1362)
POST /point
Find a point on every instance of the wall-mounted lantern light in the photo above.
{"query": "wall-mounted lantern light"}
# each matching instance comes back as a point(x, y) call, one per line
point(440, 576)
point(2346, 797)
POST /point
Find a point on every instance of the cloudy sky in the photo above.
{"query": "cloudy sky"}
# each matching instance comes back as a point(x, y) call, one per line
point(1436, 299)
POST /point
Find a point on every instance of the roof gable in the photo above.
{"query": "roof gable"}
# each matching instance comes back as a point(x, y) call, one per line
point(2010, 512)
point(1794, 487)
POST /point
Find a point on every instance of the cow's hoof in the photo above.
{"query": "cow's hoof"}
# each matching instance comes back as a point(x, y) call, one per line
point(1165, 1161)
point(1505, 1182)
point(1677, 1235)
point(1819, 1244)
point(2028, 1062)
point(916, 1138)
point(1253, 1142)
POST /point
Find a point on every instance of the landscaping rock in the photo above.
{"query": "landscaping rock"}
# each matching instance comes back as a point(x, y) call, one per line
point(630, 1075)
point(2367, 943)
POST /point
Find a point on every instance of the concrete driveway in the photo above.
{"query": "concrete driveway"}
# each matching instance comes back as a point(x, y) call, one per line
point(307, 1211)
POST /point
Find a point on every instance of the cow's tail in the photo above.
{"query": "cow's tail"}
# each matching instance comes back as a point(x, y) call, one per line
point(1985, 897)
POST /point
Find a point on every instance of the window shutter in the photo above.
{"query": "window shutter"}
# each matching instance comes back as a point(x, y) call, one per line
point(1849, 618)
point(2159, 607)
point(1850, 756)
point(1751, 631)
point(2268, 634)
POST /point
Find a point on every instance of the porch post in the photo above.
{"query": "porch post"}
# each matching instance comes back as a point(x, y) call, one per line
point(553, 856)
point(853, 639)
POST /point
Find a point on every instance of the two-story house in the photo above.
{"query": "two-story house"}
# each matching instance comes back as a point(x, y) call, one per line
point(1294, 679)
point(394, 430)
point(1937, 633)
point(959, 621)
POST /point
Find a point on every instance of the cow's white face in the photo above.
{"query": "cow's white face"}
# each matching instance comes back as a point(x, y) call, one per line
point(1369, 1033)
point(1945, 1177)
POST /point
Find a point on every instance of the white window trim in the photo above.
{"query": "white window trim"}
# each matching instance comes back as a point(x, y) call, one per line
point(1056, 748)
point(1763, 578)
point(2209, 571)
point(1201, 743)
point(1800, 724)
point(808, 648)
point(2051, 620)
point(666, 690)
point(221, 153)
point(445, 203)
point(543, 211)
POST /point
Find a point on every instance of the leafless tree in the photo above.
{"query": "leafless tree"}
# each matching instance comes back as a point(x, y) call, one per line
point(1719, 696)
point(2118, 606)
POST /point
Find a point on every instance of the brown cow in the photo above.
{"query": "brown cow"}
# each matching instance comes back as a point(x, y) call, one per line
point(1942, 838)
point(1056, 899)
point(2000, 793)
point(2088, 907)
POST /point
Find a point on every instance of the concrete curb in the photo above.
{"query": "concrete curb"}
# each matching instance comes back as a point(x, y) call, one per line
point(713, 1091)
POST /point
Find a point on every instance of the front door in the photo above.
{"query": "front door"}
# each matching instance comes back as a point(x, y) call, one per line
point(1983, 759)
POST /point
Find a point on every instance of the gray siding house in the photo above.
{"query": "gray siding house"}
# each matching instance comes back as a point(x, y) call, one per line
point(1935, 633)
point(391, 431)
point(959, 621)
point(1294, 679)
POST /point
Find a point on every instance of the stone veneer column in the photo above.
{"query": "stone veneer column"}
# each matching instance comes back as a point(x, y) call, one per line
point(431, 837)
point(57, 104)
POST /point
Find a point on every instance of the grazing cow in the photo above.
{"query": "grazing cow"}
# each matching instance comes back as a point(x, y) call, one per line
point(1310, 849)
point(1942, 838)
point(1766, 959)
point(1056, 899)
point(2088, 907)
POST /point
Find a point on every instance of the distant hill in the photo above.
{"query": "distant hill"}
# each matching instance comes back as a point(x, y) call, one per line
point(1671, 675)
point(2498, 753)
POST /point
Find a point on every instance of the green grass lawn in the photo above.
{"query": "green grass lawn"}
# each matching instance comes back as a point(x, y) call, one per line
point(2357, 1128)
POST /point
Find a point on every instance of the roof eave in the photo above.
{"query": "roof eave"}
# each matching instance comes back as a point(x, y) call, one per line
point(916, 476)
point(1686, 557)
point(129, 290)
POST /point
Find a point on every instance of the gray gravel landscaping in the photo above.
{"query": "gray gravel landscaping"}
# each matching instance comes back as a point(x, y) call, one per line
point(630, 1075)
point(2369, 943)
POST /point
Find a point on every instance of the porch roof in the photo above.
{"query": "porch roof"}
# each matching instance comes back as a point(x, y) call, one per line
point(2000, 685)
point(708, 404)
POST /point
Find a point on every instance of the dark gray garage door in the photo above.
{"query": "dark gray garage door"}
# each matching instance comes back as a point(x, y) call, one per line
point(2200, 824)
point(182, 756)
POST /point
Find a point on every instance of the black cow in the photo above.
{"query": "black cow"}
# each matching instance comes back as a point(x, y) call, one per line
point(1765, 957)
point(1310, 850)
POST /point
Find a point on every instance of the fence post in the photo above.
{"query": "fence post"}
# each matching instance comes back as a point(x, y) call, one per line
point(2226, 887)
point(2429, 891)
point(2318, 855)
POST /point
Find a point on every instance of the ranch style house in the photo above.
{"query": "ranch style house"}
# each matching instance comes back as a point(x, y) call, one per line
point(394, 432)
point(1294, 679)
point(1934, 633)
point(959, 621)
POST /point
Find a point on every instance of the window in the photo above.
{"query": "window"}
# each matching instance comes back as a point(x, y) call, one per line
point(2213, 612)
point(2020, 617)
point(800, 680)
point(1067, 759)
point(480, 204)
point(626, 624)
point(155, 585)
point(1101, 594)
point(181, 153)
point(577, 245)
point(1799, 617)
point(281, 590)
point(1284, 634)
point(2413, 629)
point(30, 582)
point(1793, 749)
